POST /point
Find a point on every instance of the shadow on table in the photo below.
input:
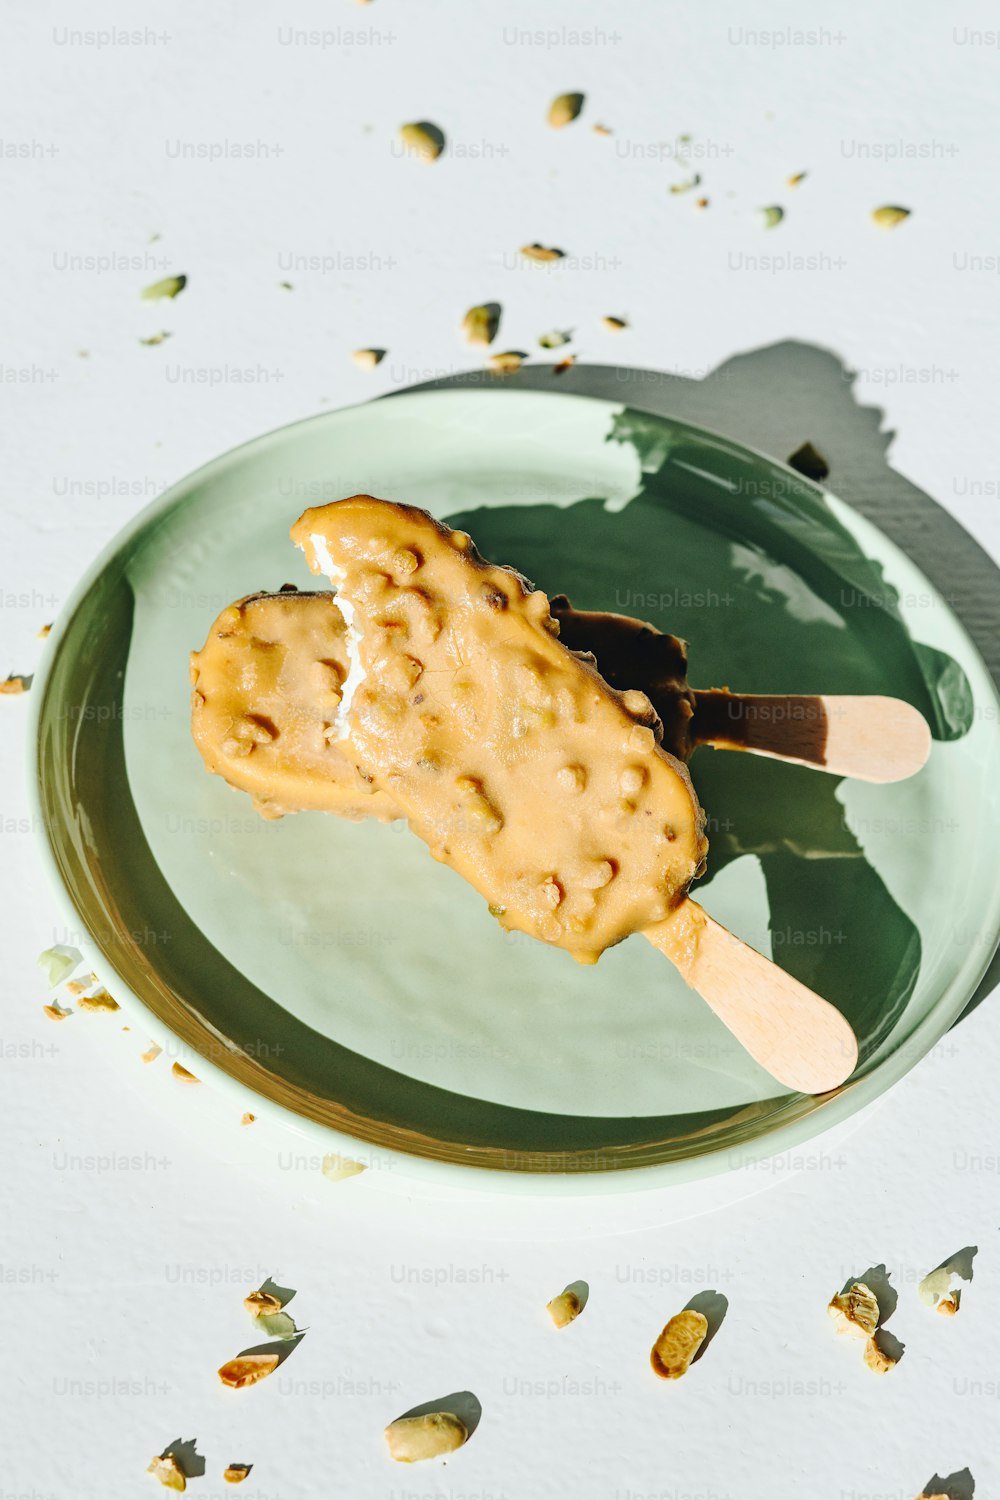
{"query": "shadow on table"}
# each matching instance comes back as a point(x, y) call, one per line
point(773, 400)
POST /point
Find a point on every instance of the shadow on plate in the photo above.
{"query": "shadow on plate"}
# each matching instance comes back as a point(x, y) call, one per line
point(843, 634)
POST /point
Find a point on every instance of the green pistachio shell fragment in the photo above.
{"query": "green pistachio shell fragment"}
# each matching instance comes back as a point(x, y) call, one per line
point(170, 286)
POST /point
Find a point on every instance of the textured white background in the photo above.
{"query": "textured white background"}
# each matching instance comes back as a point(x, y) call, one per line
point(123, 1283)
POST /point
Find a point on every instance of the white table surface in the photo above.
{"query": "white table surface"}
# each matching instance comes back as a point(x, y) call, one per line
point(131, 1224)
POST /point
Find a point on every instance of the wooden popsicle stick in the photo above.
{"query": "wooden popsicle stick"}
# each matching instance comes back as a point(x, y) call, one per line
point(870, 738)
point(802, 1040)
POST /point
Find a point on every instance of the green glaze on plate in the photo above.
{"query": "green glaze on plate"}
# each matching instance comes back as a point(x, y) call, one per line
point(338, 972)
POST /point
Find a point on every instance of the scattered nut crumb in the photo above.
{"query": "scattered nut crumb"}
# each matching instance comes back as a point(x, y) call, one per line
point(168, 1471)
point(772, 216)
point(14, 684)
point(877, 1359)
point(564, 1308)
point(44, 633)
point(702, 202)
point(554, 339)
point(506, 363)
point(99, 1000)
point(678, 1344)
point(58, 963)
point(422, 139)
point(336, 1168)
point(247, 1369)
point(542, 252)
point(564, 364)
point(151, 1053)
point(948, 1306)
point(413, 1438)
point(889, 215)
point(54, 1012)
point(169, 286)
point(564, 109)
point(601, 129)
point(367, 359)
point(262, 1304)
point(795, 179)
point(686, 187)
point(855, 1311)
point(179, 1071)
point(480, 324)
point(248, 1118)
point(809, 461)
point(155, 338)
point(613, 325)
point(236, 1473)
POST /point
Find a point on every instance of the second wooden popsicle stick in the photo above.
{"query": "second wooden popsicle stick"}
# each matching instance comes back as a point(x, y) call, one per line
point(801, 1039)
point(868, 737)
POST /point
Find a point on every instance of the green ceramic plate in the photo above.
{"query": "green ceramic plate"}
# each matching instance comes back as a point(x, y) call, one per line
point(337, 972)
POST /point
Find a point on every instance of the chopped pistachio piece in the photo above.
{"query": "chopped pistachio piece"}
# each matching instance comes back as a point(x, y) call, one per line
point(278, 1325)
point(796, 178)
point(58, 963)
point(261, 1303)
point(154, 339)
point(411, 1439)
point(564, 109)
point(772, 216)
point(15, 684)
point(564, 1308)
point(45, 632)
point(678, 1344)
point(686, 187)
point(169, 286)
point(367, 359)
point(613, 325)
point(422, 139)
point(554, 339)
point(236, 1473)
point(99, 1000)
point(564, 364)
point(506, 363)
point(247, 1369)
point(877, 1358)
point(480, 324)
point(542, 252)
point(889, 215)
point(855, 1311)
point(336, 1168)
point(168, 1471)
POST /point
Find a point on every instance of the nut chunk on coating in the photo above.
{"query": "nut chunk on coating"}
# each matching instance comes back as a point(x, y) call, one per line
point(510, 756)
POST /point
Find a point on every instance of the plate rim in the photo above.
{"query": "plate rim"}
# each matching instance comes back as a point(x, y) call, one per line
point(836, 1109)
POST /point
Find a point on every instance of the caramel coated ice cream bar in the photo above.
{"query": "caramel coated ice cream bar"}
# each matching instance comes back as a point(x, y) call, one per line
point(510, 756)
point(267, 687)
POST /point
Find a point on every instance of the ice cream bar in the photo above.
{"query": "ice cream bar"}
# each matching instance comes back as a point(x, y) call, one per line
point(512, 758)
